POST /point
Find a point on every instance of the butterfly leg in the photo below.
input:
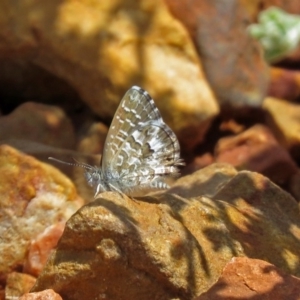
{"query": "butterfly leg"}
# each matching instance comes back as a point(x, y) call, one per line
point(115, 189)
point(97, 190)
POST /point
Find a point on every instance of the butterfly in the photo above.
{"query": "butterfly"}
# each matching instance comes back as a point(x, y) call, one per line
point(140, 150)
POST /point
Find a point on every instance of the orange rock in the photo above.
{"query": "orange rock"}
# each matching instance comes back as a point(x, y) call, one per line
point(232, 126)
point(41, 247)
point(283, 119)
point(122, 248)
point(174, 244)
point(38, 123)
point(198, 163)
point(18, 284)
point(101, 62)
point(263, 218)
point(294, 185)
point(291, 7)
point(93, 139)
point(44, 295)
point(206, 181)
point(256, 149)
point(226, 50)
point(245, 278)
point(34, 196)
point(285, 84)
point(254, 7)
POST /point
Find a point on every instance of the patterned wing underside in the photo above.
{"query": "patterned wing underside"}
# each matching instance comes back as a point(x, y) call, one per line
point(140, 147)
point(146, 155)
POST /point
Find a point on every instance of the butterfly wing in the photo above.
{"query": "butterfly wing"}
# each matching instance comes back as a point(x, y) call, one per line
point(140, 148)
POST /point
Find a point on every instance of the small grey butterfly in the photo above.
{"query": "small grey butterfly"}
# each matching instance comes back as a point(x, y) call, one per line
point(140, 150)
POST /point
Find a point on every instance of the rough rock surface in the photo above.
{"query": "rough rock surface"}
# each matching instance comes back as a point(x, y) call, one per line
point(219, 28)
point(256, 149)
point(23, 81)
point(245, 278)
point(43, 295)
point(18, 284)
point(294, 185)
point(82, 56)
point(286, 126)
point(285, 84)
point(263, 218)
point(41, 247)
point(101, 61)
point(34, 196)
point(38, 123)
point(289, 5)
point(175, 244)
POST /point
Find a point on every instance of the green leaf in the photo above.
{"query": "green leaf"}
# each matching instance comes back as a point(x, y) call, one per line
point(278, 32)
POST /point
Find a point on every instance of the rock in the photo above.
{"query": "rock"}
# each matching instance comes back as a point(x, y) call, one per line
point(174, 244)
point(44, 295)
point(294, 185)
point(226, 50)
point(245, 278)
point(286, 126)
point(291, 7)
point(45, 131)
point(42, 152)
point(263, 218)
point(198, 163)
point(41, 247)
point(22, 81)
point(18, 284)
point(128, 249)
point(256, 149)
point(205, 182)
point(34, 196)
point(101, 62)
point(252, 8)
point(285, 84)
point(92, 141)
point(38, 123)
point(231, 126)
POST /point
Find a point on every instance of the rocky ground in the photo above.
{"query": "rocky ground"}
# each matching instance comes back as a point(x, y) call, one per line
point(228, 228)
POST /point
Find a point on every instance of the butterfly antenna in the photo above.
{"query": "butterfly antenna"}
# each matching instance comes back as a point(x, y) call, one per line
point(84, 165)
point(77, 164)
